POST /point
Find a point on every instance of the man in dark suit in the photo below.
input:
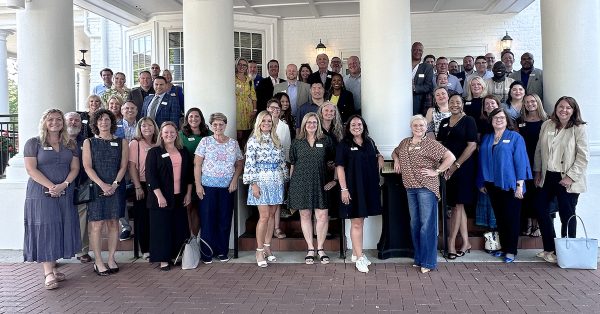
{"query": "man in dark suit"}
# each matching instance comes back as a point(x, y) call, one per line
point(422, 85)
point(531, 77)
point(264, 91)
point(162, 106)
point(253, 72)
point(138, 94)
point(322, 74)
point(468, 64)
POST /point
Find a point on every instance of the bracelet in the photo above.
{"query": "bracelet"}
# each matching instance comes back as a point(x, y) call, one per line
point(438, 171)
point(457, 164)
point(116, 182)
point(344, 189)
point(68, 183)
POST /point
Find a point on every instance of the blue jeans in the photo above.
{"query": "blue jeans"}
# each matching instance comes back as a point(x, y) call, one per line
point(423, 208)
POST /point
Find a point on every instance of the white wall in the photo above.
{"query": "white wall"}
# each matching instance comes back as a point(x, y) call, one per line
point(450, 34)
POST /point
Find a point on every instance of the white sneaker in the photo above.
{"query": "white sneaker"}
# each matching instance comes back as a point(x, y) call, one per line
point(361, 265)
point(354, 258)
point(550, 257)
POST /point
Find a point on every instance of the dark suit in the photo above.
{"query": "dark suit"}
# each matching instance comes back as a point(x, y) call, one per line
point(462, 76)
point(423, 87)
point(264, 92)
point(168, 109)
point(535, 82)
point(137, 96)
point(168, 224)
point(345, 104)
point(316, 77)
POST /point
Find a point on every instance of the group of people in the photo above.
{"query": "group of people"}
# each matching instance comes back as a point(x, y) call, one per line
point(306, 144)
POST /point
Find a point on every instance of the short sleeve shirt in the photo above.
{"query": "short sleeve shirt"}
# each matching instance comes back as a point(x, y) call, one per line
point(218, 166)
point(413, 158)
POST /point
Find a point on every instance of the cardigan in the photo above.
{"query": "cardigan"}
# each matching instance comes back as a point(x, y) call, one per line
point(572, 145)
point(159, 175)
point(504, 164)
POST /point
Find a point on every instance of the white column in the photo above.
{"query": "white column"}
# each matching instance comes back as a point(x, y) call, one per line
point(385, 57)
point(3, 72)
point(208, 37)
point(46, 80)
point(568, 66)
point(45, 62)
point(386, 91)
point(83, 90)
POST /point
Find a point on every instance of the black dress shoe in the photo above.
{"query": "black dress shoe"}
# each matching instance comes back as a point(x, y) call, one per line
point(101, 273)
point(165, 268)
point(114, 270)
point(451, 256)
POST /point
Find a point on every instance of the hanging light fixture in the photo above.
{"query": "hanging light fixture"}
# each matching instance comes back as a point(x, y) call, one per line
point(506, 42)
point(320, 47)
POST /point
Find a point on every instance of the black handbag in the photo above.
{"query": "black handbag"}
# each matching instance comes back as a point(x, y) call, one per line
point(84, 193)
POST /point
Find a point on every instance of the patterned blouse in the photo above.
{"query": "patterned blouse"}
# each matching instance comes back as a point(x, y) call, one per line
point(413, 158)
point(218, 166)
point(264, 161)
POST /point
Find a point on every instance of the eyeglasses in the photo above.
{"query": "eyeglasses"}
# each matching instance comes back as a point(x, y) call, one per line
point(499, 118)
point(243, 65)
point(275, 108)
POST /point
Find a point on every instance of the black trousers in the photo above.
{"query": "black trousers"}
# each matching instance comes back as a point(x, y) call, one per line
point(507, 209)
point(142, 221)
point(566, 208)
point(168, 231)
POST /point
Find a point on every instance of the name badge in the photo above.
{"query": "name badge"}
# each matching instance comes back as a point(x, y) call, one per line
point(47, 148)
point(84, 121)
point(551, 133)
point(505, 141)
point(522, 125)
point(238, 85)
point(532, 74)
point(353, 148)
point(114, 144)
point(165, 155)
point(119, 125)
point(421, 75)
point(319, 145)
point(468, 103)
point(417, 147)
point(164, 103)
point(445, 125)
point(173, 94)
point(191, 139)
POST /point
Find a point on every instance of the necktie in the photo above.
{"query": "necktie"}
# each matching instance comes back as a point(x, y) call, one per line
point(152, 107)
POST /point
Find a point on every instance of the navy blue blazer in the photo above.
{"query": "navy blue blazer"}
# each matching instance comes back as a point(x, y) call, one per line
point(168, 109)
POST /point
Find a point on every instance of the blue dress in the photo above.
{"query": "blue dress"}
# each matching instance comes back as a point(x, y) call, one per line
point(51, 224)
point(265, 166)
point(106, 161)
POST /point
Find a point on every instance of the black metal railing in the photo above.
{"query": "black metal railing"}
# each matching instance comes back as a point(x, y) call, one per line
point(9, 139)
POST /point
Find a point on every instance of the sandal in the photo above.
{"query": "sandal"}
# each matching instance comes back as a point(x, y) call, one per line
point(324, 258)
point(310, 259)
point(260, 263)
point(52, 284)
point(279, 234)
point(268, 254)
point(59, 276)
point(535, 232)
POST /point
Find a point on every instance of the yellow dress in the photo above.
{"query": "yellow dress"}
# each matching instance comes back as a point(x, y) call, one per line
point(244, 95)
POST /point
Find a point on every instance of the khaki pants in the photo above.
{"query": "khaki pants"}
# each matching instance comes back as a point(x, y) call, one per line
point(85, 241)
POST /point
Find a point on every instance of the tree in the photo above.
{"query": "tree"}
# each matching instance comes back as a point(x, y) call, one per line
point(13, 97)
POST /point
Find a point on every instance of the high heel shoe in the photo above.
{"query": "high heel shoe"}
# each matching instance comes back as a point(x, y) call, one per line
point(268, 254)
point(101, 273)
point(113, 270)
point(462, 253)
point(452, 255)
point(260, 263)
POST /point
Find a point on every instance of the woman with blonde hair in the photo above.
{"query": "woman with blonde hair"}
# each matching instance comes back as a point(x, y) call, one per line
point(51, 219)
point(475, 92)
point(266, 172)
point(309, 155)
point(146, 136)
point(93, 103)
point(245, 100)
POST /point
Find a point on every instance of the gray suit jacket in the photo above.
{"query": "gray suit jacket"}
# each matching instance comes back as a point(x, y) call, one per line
point(535, 83)
point(302, 96)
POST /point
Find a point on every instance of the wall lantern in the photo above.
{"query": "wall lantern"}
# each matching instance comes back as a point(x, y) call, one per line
point(506, 42)
point(320, 48)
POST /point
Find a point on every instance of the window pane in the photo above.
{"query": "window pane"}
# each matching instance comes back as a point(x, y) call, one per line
point(236, 39)
point(177, 73)
point(257, 56)
point(245, 40)
point(174, 40)
point(246, 54)
point(256, 40)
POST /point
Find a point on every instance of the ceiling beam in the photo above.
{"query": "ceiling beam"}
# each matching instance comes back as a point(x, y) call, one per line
point(113, 10)
point(313, 9)
point(249, 7)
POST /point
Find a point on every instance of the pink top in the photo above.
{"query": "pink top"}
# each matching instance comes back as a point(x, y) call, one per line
point(141, 162)
point(176, 161)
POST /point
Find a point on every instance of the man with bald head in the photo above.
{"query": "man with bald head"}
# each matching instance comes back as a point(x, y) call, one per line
point(531, 77)
point(352, 81)
point(322, 74)
point(422, 83)
point(298, 92)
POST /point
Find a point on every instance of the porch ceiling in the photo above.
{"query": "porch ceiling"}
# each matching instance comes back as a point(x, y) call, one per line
point(133, 12)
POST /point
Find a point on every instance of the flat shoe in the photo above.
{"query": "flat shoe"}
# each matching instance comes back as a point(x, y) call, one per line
point(165, 268)
point(52, 284)
point(60, 276)
point(508, 260)
point(324, 258)
point(309, 259)
point(425, 270)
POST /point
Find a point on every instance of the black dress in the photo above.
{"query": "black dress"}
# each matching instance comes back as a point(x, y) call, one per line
point(362, 179)
point(531, 133)
point(473, 108)
point(460, 188)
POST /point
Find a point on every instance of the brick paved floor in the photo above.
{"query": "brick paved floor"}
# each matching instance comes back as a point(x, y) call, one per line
point(295, 288)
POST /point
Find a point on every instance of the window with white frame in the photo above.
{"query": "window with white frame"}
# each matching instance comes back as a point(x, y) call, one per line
point(249, 46)
point(141, 55)
point(175, 52)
